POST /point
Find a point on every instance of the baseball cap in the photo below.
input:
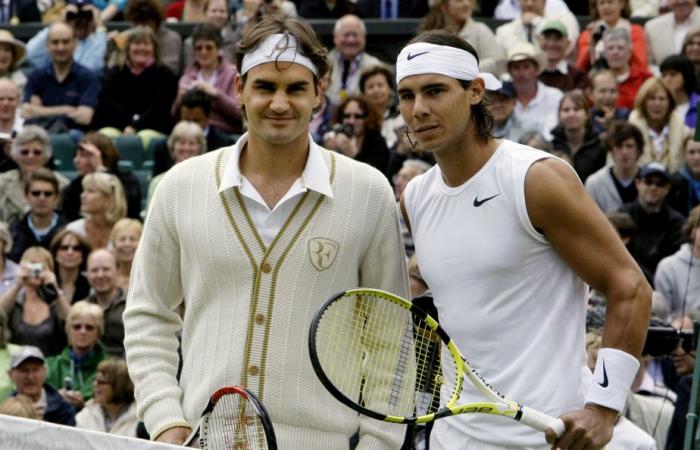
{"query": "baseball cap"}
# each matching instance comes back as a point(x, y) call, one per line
point(25, 353)
point(654, 168)
point(507, 89)
point(523, 51)
point(554, 25)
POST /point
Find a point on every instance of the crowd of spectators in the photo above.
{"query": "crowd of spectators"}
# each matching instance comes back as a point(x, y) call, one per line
point(611, 86)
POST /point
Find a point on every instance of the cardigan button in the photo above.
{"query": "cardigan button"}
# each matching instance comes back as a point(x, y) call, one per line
point(260, 318)
point(266, 267)
point(253, 370)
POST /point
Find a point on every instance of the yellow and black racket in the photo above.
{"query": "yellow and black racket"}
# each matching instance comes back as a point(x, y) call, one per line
point(386, 358)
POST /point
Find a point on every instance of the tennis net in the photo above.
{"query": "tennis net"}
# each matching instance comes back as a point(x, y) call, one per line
point(25, 434)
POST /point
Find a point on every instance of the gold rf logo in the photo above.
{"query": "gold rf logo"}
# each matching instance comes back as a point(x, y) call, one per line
point(322, 253)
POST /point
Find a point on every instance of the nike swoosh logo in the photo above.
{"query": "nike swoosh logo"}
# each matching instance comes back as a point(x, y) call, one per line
point(478, 202)
point(605, 377)
point(411, 56)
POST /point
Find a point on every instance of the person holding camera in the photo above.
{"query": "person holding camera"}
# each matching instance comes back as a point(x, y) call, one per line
point(35, 305)
point(357, 134)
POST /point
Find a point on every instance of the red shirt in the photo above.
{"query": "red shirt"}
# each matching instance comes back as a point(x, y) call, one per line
point(175, 9)
point(627, 90)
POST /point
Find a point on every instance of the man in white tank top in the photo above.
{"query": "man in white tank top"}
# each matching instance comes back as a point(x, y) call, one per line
point(507, 240)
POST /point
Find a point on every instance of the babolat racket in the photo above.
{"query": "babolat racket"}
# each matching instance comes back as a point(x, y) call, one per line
point(386, 358)
point(234, 419)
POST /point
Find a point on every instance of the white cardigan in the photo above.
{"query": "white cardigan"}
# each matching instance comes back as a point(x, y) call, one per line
point(248, 308)
point(92, 418)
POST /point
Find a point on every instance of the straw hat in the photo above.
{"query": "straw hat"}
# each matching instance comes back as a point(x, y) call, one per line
point(18, 47)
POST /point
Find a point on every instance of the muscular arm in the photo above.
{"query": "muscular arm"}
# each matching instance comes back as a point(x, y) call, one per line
point(35, 108)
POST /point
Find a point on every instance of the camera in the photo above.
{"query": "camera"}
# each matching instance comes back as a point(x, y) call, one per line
point(663, 340)
point(597, 35)
point(35, 269)
point(344, 128)
point(68, 383)
point(82, 14)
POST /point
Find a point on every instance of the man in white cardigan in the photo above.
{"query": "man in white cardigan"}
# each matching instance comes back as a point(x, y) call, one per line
point(254, 238)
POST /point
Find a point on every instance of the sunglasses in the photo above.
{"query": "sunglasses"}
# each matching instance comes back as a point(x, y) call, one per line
point(26, 152)
point(65, 248)
point(42, 193)
point(87, 326)
point(102, 382)
point(657, 183)
point(354, 116)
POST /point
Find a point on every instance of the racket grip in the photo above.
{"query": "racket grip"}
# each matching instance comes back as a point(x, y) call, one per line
point(540, 421)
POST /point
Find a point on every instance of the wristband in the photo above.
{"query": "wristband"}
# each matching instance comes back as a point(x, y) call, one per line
point(614, 372)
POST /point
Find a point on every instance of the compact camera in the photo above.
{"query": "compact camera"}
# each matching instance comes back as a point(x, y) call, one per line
point(35, 269)
point(663, 340)
point(344, 128)
point(82, 14)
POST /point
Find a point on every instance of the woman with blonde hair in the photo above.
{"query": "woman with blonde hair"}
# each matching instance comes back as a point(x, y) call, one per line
point(35, 305)
point(73, 370)
point(102, 204)
point(664, 131)
point(20, 406)
point(124, 239)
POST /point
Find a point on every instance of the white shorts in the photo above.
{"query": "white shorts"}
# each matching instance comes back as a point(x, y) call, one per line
point(446, 437)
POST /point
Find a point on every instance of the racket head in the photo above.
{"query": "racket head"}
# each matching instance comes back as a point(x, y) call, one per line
point(234, 418)
point(384, 357)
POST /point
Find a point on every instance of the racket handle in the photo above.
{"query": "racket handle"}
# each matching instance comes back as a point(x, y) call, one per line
point(540, 421)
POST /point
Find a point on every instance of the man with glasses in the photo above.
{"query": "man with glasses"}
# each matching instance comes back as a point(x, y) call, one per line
point(103, 278)
point(42, 222)
point(659, 227)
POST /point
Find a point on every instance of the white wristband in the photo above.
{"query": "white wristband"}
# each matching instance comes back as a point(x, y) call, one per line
point(614, 372)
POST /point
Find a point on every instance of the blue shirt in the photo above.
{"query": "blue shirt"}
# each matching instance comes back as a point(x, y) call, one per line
point(79, 88)
point(90, 52)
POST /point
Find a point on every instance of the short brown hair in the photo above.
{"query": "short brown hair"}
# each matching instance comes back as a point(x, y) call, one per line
point(115, 370)
point(42, 174)
point(108, 151)
point(619, 132)
point(593, 10)
point(142, 33)
point(140, 12)
point(379, 69)
point(372, 121)
point(309, 45)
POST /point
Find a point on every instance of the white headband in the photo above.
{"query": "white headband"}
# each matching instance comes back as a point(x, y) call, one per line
point(278, 47)
point(423, 58)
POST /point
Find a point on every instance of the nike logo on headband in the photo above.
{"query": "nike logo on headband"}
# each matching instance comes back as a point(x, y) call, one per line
point(411, 56)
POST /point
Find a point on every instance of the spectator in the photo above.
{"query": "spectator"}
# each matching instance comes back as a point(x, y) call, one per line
point(150, 13)
point(510, 9)
point(613, 186)
point(28, 373)
point(73, 370)
point(679, 75)
point(536, 105)
point(84, 40)
point(348, 59)
point(685, 193)
point(20, 11)
point(103, 277)
point(125, 238)
point(6, 351)
point(102, 204)
point(211, 74)
point(678, 276)
point(31, 150)
point(10, 122)
point(61, 95)
point(617, 53)
point(691, 49)
point(393, 9)
point(70, 251)
point(186, 141)
point(609, 15)
point(683, 17)
point(97, 153)
point(112, 408)
point(42, 222)
point(456, 16)
point(12, 54)
point(195, 106)
point(34, 304)
point(186, 11)
point(574, 135)
point(626, 230)
point(664, 131)
point(8, 268)
point(603, 95)
point(335, 9)
point(321, 120)
point(136, 96)
point(219, 15)
point(558, 72)
point(410, 169)
point(533, 13)
point(360, 138)
point(506, 124)
point(658, 227)
point(377, 86)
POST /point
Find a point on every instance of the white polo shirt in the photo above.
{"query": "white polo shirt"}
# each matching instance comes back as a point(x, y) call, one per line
point(542, 113)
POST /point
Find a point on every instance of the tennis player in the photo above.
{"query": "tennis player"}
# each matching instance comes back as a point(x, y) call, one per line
point(508, 240)
point(253, 239)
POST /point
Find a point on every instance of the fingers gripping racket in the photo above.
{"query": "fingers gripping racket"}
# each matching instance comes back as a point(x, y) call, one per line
point(234, 419)
point(387, 359)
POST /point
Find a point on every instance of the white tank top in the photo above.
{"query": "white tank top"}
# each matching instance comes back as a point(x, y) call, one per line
point(510, 303)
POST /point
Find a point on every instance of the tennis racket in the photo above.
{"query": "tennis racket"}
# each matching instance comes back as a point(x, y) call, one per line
point(386, 358)
point(234, 419)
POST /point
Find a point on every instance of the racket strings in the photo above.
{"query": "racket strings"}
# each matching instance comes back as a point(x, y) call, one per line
point(378, 355)
point(234, 424)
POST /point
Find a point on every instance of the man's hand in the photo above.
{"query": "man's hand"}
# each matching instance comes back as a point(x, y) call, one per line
point(175, 435)
point(75, 398)
point(590, 428)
